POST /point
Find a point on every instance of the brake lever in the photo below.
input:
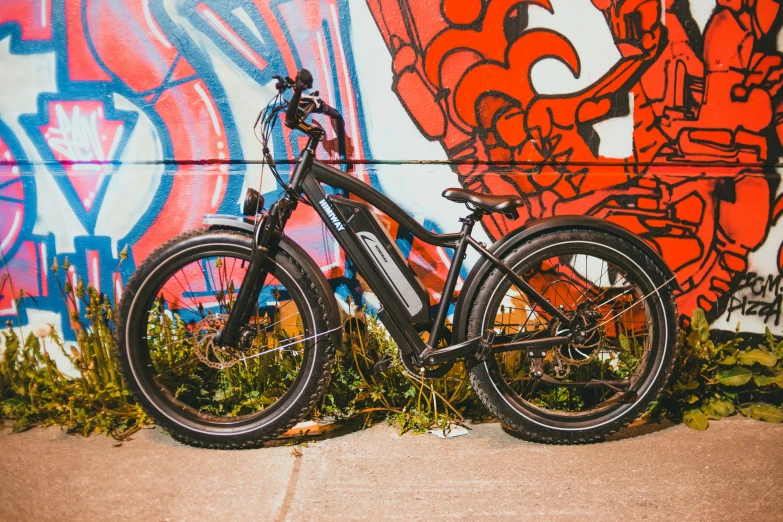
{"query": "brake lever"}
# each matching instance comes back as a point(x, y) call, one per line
point(314, 102)
point(338, 125)
point(280, 85)
point(283, 84)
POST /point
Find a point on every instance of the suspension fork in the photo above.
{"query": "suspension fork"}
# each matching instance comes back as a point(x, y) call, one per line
point(274, 220)
point(253, 281)
point(256, 273)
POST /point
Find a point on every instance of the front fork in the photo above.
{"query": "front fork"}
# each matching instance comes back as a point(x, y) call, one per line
point(256, 274)
point(270, 223)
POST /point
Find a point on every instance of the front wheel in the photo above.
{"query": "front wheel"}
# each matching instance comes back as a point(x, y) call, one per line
point(217, 396)
point(627, 310)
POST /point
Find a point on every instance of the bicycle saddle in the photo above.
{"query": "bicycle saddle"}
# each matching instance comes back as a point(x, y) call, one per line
point(504, 204)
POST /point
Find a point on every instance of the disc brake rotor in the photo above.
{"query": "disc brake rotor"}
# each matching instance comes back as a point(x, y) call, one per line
point(570, 355)
point(204, 345)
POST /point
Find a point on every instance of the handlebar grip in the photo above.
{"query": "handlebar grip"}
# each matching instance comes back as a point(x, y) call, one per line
point(304, 80)
point(338, 124)
point(293, 106)
point(330, 111)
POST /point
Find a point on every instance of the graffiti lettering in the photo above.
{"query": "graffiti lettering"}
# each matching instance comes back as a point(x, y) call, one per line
point(698, 182)
point(767, 310)
point(760, 285)
point(765, 299)
point(75, 137)
point(665, 117)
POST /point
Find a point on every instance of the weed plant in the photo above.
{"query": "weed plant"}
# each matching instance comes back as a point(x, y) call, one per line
point(711, 381)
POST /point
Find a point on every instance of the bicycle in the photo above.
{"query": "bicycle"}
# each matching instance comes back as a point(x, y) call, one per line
point(567, 326)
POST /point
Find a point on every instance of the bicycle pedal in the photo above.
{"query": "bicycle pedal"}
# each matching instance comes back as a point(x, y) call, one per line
point(382, 365)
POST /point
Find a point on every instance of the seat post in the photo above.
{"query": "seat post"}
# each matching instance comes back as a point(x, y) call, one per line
point(451, 279)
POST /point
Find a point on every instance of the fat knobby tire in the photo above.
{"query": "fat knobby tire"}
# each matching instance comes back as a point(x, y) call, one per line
point(316, 383)
point(520, 421)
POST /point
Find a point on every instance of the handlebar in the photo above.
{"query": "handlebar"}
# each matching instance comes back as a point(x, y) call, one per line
point(304, 80)
point(293, 120)
point(328, 110)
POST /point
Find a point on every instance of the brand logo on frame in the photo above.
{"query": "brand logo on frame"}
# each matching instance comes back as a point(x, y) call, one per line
point(332, 217)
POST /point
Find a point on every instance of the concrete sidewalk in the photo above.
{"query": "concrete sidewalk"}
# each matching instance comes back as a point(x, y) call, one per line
point(733, 471)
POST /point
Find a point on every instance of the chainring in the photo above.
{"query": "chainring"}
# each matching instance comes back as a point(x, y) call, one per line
point(431, 372)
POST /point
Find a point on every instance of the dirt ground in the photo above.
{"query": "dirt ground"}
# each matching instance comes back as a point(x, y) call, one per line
point(732, 471)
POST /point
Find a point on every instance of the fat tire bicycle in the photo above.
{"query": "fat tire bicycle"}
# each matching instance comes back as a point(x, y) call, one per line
point(226, 335)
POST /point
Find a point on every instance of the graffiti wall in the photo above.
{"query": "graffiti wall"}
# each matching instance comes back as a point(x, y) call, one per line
point(122, 122)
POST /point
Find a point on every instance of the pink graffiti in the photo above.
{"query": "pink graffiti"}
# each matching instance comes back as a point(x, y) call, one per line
point(81, 138)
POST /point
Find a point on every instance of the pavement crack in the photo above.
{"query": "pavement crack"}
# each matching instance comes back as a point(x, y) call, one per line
point(290, 489)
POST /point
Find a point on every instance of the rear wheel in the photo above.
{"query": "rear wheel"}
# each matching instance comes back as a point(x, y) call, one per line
point(621, 297)
point(211, 395)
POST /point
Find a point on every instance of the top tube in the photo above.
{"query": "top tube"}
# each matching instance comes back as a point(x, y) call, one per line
point(339, 179)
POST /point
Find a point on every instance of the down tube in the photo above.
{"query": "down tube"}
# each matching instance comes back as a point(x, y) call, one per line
point(392, 313)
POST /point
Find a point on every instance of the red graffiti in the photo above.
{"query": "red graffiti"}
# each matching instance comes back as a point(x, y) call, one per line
point(161, 75)
point(705, 109)
point(32, 17)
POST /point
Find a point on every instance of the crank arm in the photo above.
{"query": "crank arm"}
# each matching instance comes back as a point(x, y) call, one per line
point(432, 356)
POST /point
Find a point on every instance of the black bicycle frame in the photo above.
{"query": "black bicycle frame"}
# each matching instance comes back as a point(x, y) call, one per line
point(307, 178)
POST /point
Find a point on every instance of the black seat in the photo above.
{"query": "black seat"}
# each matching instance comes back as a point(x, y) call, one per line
point(504, 204)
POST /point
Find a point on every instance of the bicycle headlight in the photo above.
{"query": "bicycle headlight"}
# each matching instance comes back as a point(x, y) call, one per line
point(254, 202)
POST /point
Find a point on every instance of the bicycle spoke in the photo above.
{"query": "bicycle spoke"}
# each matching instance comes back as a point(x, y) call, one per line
point(212, 379)
point(611, 345)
